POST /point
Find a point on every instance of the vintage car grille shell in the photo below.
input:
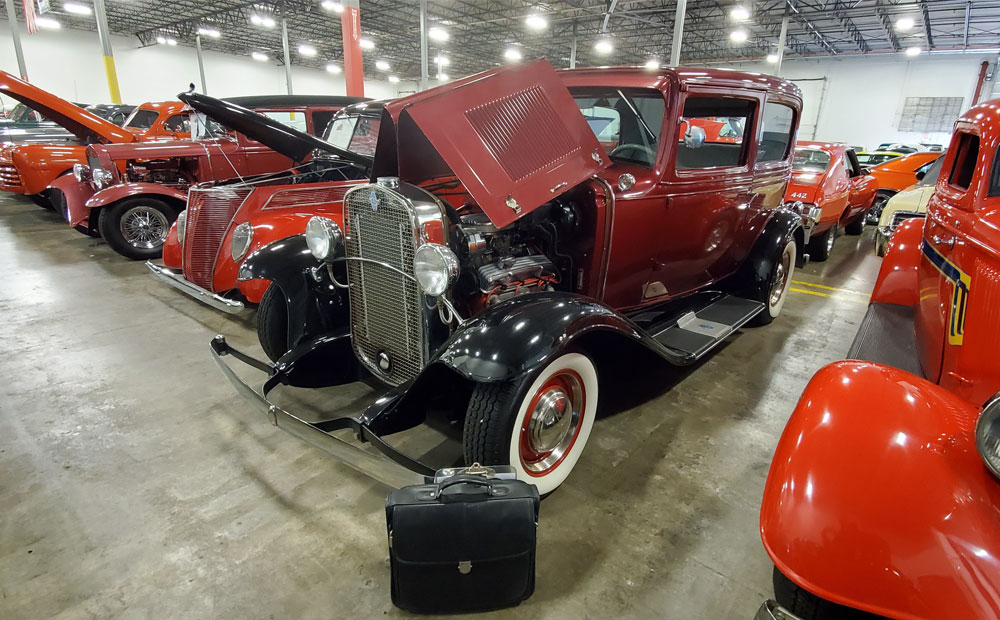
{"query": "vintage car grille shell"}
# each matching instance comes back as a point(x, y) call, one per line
point(388, 311)
point(9, 176)
point(210, 213)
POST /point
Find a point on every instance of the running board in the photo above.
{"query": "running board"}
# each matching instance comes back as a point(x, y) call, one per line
point(697, 332)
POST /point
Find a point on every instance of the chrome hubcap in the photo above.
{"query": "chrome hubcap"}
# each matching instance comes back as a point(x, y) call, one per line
point(830, 238)
point(552, 422)
point(144, 227)
point(780, 278)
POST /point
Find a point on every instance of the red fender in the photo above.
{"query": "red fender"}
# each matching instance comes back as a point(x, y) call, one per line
point(76, 194)
point(172, 248)
point(897, 279)
point(127, 190)
point(877, 497)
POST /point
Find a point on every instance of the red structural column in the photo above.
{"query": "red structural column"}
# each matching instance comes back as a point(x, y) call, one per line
point(354, 71)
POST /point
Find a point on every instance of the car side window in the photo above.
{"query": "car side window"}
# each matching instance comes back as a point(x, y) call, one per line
point(142, 119)
point(964, 166)
point(178, 123)
point(712, 132)
point(626, 121)
point(776, 132)
point(853, 167)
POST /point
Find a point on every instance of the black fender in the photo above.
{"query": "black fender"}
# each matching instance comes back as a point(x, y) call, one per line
point(315, 305)
point(755, 272)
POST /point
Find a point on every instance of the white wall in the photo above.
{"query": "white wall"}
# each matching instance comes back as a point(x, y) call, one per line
point(69, 63)
point(864, 96)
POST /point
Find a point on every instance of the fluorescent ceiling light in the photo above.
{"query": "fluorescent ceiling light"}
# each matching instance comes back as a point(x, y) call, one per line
point(442, 60)
point(76, 8)
point(367, 44)
point(536, 22)
point(381, 65)
point(47, 23)
point(161, 40)
point(512, 54)
point(905, 23)
point(209, 32)
point(442, 76)
point(913, 51)
point(604, 46)
point(331, 5)
point(332, 68)
point(738, 36)
point(307, 50)
point(652, 64)
point(772, 58)
point(259, 56)
point(739, 13)
point(438, 34)
point(171, 41)
point(262, 20)
point(394, 79)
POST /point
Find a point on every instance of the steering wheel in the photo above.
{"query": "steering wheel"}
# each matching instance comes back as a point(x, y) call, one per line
point(642, 148)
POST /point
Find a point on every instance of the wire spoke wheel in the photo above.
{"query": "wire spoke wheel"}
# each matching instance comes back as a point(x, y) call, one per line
point(144, 227)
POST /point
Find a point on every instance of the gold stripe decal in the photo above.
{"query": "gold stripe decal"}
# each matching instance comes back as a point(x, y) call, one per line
point(961, 283)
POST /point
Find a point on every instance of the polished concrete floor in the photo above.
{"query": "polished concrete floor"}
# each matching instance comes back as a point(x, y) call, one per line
point(134, 483)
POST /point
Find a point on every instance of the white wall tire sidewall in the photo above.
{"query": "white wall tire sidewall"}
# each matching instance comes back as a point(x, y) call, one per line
point(775, 310)
point(583, 367)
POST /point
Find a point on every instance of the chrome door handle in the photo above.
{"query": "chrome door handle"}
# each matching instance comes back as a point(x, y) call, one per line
point(949, 242)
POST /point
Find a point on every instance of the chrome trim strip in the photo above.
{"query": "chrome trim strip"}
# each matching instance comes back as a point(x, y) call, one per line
point(771, 610)
point(373, 465)
point(175, 279)
point(609, 230)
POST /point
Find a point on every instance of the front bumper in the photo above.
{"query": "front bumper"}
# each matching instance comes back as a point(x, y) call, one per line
point(398, 470)
point(771, 610)
point(882, 236)
point(175, 278)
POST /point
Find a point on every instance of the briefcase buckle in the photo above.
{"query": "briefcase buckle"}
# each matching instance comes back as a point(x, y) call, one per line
point(465, 567)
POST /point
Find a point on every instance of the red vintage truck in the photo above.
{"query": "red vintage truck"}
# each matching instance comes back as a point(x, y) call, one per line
point(831, 191)
point(130, 194)
point(883, 497)
point(501, 256)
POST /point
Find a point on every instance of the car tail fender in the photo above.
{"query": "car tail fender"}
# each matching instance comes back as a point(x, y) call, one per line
point(783, 226)
point(115, 193)
point(877, 498)
point(76, 194)
point(897, 278)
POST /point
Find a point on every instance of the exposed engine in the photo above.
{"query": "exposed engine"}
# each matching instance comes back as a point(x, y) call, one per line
point(160, 171)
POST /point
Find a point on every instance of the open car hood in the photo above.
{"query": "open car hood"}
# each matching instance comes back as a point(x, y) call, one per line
point(291, 143)
point(513, 136)
point(76, 120)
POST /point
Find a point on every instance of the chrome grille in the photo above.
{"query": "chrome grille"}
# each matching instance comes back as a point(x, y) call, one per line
point(901, 216)
point(9, 176)
point(209, 213)
point(386, 307)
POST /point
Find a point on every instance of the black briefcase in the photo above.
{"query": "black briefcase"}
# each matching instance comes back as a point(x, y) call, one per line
point(465, 543)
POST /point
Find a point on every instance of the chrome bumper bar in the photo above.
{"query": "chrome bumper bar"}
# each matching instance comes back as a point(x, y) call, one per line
point(318, 434)
point(771, 610)
point(175, 278)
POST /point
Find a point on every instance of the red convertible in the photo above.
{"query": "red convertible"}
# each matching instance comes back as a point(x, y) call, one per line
point(883, 495)
point(831, 191)
point(502, 257)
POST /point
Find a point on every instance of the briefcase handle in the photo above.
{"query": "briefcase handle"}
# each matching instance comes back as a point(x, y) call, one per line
point(473, 480)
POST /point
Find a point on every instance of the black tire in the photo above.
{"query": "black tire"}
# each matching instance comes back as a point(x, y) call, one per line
point(857, 226)
point(821, 247)
point(496, 409)
point(272, 323)
point(146, 244)
point(808, 606)
point(782, 268)
point(58, 200)
point(42, 200)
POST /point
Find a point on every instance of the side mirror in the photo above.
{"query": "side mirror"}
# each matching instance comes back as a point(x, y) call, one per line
point(694, 137)
point(921, 174)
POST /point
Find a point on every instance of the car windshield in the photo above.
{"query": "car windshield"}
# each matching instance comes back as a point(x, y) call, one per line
point(23, 114)
point(810, 160)
point(142, 119)
point(355, 133)
point(931, 173)
point(627, 122)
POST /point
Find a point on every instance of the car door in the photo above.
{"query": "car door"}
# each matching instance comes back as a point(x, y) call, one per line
point(708, 192)
point(862, 186)
point(946, 261)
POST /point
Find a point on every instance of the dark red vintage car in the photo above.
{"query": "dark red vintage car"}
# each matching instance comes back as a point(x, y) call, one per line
point(832, 191)
point(883, 496)
point(502, 256)
point(129, 194)
point(226, 221)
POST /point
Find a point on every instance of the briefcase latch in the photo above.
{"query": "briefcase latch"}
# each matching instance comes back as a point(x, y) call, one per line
point(465, 567)
point(478, 470)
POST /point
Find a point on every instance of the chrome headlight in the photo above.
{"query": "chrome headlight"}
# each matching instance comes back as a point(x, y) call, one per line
point(323, 236)
point(988, 434)
point(81, 172)
point(242, 236)
point(435, 267)
point(101, 177)
point(182, 220)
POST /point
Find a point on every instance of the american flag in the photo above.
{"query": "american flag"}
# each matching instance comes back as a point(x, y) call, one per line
point(29, 16)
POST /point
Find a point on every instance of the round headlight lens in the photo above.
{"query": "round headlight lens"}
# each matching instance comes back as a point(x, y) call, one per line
point(988, 434)
point(242, 236)
point(100, 177)
point(181, 225)
point(80, 172)
point(323, 236)
point(435, 267)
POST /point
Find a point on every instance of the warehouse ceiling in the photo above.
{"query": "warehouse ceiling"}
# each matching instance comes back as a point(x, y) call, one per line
point(481, 31)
